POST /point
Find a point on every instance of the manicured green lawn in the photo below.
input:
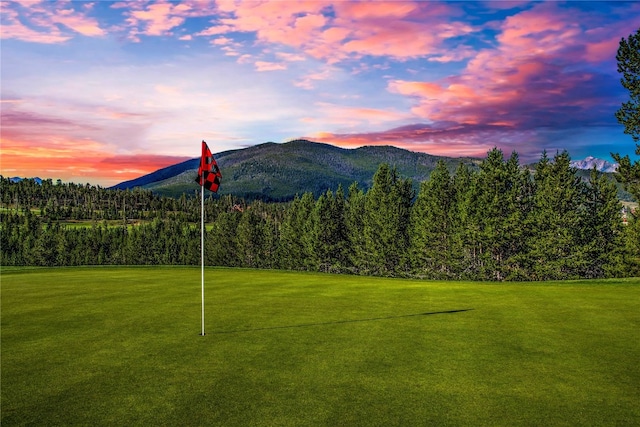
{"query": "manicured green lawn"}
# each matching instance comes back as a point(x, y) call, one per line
point(121, 346)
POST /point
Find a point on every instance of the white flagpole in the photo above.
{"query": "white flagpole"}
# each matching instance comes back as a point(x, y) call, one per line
point(202, 249)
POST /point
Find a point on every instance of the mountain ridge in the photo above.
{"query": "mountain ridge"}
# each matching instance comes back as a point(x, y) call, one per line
point(277, 172)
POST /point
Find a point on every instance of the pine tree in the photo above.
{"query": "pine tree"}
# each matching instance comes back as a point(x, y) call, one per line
point(386, 222)
point(602, 234)
point(628, 57)
point(295, 248)
point(354, 224)
point(431, 229)
point(496, 207)
point(631, 252)
point(328, 232)
point(554, 247)
point(221, 240)
point(461, 226)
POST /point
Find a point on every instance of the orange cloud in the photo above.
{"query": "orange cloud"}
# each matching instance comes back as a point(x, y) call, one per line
point(78, 161)
point(421, 89)
point(354, 116)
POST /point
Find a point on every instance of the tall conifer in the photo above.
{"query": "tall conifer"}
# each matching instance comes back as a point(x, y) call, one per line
point(431, 229)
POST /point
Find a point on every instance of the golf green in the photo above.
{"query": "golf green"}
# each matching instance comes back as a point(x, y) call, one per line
point(122, 346)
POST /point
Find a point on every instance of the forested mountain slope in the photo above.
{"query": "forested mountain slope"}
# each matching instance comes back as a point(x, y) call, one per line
point(277, 172)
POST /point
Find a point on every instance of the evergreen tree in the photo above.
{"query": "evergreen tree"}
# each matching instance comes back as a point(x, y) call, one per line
point(250, 239)
point(496, 209)
point(555, 221)
point(632, 245)
point(628, 57)
point(295, 249)
point(386, 222)
point(602, 234)
point(462, 252)
point(220, 244)
point(354, 224)
point(328, 232)
point(431, 229)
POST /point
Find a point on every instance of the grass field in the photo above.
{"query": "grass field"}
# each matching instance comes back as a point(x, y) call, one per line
point(121, 346)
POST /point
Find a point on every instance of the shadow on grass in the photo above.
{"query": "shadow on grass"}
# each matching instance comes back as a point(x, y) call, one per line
point(337, 322)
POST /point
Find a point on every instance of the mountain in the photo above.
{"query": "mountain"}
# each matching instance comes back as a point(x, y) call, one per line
point(277, 172)
point(590, 162)
point(18, 179)
point(159, 175)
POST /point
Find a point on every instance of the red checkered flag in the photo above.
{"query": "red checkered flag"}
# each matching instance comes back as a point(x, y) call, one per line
point(208, 173)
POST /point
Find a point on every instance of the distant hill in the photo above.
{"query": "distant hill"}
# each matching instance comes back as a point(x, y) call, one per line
point(277, 172)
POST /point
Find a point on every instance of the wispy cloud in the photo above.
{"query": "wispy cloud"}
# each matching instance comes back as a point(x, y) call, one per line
point(269, 66)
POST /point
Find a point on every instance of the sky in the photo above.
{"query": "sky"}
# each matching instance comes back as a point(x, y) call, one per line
point(107, 91)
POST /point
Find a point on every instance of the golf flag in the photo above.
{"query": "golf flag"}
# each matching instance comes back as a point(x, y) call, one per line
point(208, 177)
point(208, 173)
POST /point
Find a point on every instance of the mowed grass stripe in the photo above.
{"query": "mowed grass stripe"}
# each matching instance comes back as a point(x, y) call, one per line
point(121, 346)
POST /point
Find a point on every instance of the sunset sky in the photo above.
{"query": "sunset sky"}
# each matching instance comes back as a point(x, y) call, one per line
point(106, 91)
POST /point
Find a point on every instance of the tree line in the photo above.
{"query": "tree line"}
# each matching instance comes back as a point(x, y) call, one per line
point(502, 222)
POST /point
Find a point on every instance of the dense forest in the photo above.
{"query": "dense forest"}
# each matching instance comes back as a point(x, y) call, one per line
point(502, 222)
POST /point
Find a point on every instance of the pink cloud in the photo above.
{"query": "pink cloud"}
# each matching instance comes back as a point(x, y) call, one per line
point(509, 93)
point(215, 30)
point(526, 81)
point(222, 41)
point(307, 81)
point(457, 53)
point(269, 66)
point(398, 29)
point(82, 24)
point(40, 22)
point(157, 19)
point(290, 57)
point(367, 10)
point(163, 17)
point(12, 28)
